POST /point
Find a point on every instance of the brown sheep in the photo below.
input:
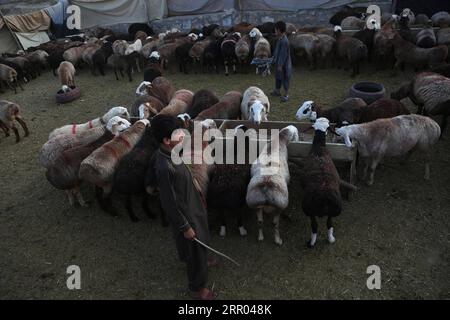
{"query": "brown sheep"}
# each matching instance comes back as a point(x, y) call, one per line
point(9, 76)
point(162, 89)
point(10, 111)
point(180, 102)
point(66, 73)
point(229, 107)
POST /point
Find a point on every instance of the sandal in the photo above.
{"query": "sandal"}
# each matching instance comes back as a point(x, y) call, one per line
point(284, 98)
point(204, 294)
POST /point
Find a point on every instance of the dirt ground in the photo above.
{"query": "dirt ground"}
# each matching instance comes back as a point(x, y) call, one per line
point(400, 223)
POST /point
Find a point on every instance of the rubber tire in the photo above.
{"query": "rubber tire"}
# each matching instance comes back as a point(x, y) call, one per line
point(368, 91)
point(70, 96)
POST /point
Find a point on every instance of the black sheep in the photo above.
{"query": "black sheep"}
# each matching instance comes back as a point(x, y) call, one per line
point(320, 183)
point(266, 28)
point(347, 11)
point(101, 56)
point(212, 55)
point(207, 30)
point(228, 184)
point(366, 36)
point(129, 178)
point(182, 56)
point(203, 99)
point(228, 51)
point(153, 69)
point(135, 27)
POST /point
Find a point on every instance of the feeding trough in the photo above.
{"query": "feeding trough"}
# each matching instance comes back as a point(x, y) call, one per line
point(368, 91)
point(69, 96)
point(343, 156)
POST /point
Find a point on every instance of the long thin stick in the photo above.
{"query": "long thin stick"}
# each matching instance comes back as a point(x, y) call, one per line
point(217, 252)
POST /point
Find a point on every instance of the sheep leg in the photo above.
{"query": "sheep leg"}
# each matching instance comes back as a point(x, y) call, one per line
point(373, 167)
point(4, 128)
point(444, 122)
point(18, 84)
point(12, 87)
point(115, 73)
point(129, 207)
point(16, 132)
point(276, 227)
point(145, 207)
point(223, 223)
point(23, 125)
point(242, 230)
point(226, 68)
point(366, 167)
point(70, 197)
point(259, 214)
point(312, 241)
point(234, 67)
point(104, 201)
point(427, 166)
point(331, 238)
point(76, 191)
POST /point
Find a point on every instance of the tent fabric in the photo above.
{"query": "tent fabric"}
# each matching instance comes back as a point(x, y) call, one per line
point(9, 45)
point(30, 22)
point(58, 11)
point(195, 7)
point(110, 12)
point(32, 39)
point(290, 5)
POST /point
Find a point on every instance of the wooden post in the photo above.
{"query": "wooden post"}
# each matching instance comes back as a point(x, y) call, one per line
point(9, 28)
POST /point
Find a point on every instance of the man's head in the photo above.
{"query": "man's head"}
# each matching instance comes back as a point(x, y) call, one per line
point(280, 28)
point(167, 131)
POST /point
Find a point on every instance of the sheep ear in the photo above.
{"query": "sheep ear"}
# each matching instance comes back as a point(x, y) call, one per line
point(267, 107)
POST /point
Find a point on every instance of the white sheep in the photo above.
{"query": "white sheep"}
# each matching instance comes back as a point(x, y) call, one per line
point(77, 128)
point(268, 187)
point(255, 105)
point(392, 137)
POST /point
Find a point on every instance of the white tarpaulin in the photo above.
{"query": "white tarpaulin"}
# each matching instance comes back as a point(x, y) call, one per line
point(291, 5)
point(32, 39)
point(110, 12)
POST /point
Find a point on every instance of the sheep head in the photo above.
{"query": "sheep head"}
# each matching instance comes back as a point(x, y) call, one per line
point(146, 111)
point(142, 88)
point(258, 112)
point(344, 133)
point(321, 124)
point(65, 88)
point(185, 118)
point(308, 110)
point(155, 55)
point(117, 124)
point(255, 33)
point(116, 111)
point(289, 134)
point(337, 29)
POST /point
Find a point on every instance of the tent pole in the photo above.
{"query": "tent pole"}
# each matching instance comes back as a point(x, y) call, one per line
point(10, 30)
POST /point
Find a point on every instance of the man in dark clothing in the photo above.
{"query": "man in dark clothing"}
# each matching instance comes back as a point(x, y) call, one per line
point(183, 205)
point(282, 61)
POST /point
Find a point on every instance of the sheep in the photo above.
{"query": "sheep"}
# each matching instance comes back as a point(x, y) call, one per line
point(268, 188)
point(262, 46)
point(99, 167)
point(38, 59)
point(162, 89)
point(352, 50)
point(77, 128)
point(88, 56)
point(408, 53)
point(352, 23)
point(180, 102)
point(63, 172)
point(121, 63)
point(73, 55)
point(430, 92)
point(242, 28)
point(392, 137)
point(266, 28)
point(146, 106)
point(343, 112)
point(367, 35)
point(9, 76)
point(426, 38)
point(228, 49)
point(229, 107)
point(443, 36)
point(10, 111)
point(441, 19)
point(196, 52)
point(202, 100)
point(212, 55)
point(20, 73)
point(133, 50)
point(182, 56)
point(120, 47)
point(326, 48)
point(66, 74)
point(255, 105)
point(407, 17)
point(129, 178)
point(307, 44)
point(153, 69)
point(321, 196)
point(242, 50)
point(141, 35)
point(379, 109)
point(100, 57)
point(25, 65)
point(228, 183)
point(382, 43)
